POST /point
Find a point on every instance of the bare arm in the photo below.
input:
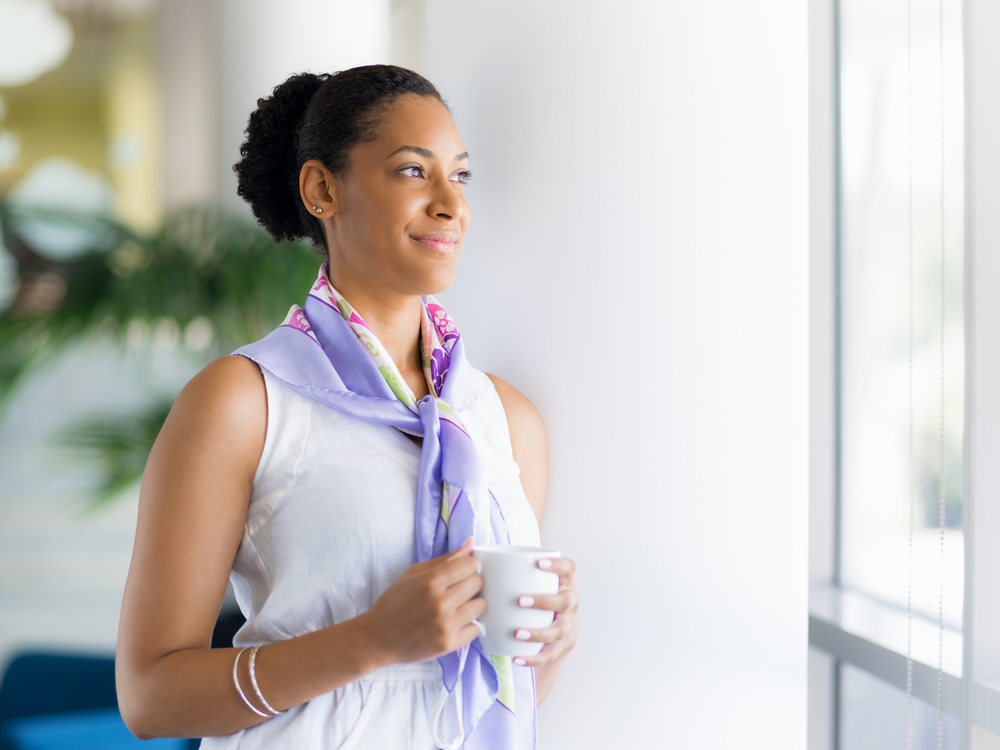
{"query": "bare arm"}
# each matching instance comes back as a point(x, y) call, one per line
point(192, 510)
point(527, 438)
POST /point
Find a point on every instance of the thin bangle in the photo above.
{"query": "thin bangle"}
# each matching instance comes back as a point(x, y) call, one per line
point(256, 687)
point(236, 682)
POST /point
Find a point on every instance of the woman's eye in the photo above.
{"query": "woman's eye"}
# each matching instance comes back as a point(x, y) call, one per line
point(412, 171)
point(463, 177)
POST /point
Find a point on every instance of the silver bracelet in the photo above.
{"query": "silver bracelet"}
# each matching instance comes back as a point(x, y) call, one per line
point(256, 687)
point(236, 682)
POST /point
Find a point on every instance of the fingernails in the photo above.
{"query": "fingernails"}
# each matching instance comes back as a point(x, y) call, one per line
point(521, 634)
point(544, 564)
point(519, 661)
point(526, 601)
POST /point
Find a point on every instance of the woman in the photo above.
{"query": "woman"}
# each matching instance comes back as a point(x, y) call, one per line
point(342, 468)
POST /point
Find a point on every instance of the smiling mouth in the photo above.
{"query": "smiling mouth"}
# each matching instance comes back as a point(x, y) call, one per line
point(444, 243)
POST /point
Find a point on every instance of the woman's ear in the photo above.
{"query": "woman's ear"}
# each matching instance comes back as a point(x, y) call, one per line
point(318, 189)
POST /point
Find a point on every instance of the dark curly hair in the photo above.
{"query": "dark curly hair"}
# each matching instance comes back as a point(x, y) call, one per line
point(312, 116)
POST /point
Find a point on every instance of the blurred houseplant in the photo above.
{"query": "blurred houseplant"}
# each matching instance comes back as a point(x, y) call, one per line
point(209, 277)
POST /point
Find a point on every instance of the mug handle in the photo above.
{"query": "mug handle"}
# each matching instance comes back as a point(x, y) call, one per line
point(482, 628)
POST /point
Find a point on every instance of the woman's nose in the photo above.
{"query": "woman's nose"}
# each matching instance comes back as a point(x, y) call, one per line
point(446, 202)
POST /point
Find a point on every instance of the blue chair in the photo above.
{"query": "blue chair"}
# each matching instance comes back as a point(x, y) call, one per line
point(67, 702)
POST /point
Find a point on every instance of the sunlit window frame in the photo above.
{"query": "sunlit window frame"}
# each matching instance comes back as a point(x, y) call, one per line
point(835, 629)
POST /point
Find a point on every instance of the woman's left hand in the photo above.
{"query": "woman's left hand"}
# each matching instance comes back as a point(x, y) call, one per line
point(560, 637)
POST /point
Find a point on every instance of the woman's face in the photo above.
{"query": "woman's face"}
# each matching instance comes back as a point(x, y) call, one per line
point(398, 213)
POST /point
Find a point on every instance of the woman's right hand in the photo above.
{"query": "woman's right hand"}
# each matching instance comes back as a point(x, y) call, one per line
point(428, 611)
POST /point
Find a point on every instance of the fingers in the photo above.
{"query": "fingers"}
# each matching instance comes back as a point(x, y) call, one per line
point(462, 629)
point(551, 652)
point(560, 636)
point(453, 567)
point(463, 552)
point(541, 635)
point(450, 572)
point(561, 565)
point(566, 601)
point(558, 639)
point(463, 590)
point(471, 610)
point(466, 634)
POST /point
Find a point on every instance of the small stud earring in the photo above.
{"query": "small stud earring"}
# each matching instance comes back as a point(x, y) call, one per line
point(317, 210)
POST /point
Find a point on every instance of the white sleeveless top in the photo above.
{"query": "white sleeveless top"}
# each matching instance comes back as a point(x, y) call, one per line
point(330, 526)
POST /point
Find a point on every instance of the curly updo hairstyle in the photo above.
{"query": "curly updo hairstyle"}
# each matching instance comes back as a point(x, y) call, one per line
point(320, 117)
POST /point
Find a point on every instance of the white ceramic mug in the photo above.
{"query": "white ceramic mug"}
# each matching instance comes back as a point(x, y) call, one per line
point(510, 572)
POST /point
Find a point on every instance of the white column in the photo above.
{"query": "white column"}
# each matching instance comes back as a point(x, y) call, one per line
point(982, 268)
point(638, 265)
point(264, 42)
point(823, 363)
point(189, 75)
point(409, 34)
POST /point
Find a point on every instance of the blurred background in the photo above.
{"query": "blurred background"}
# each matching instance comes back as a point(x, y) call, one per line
point(119, 123)
point(127, 262)
point(692, 219)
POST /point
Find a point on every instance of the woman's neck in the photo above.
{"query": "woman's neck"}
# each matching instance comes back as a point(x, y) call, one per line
point(395, 320)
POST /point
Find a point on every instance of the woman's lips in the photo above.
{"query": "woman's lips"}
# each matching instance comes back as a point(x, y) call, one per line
point(444, 243)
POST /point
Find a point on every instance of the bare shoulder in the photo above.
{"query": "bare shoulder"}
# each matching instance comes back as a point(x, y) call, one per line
point(219, 419)
point(527, 439)
point(516, 405)
point(227, 387)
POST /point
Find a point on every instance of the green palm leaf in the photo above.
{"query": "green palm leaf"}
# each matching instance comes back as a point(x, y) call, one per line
point(204, 264)
point(118, 445)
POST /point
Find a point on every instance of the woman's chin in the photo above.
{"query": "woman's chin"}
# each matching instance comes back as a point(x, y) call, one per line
point(440, 280)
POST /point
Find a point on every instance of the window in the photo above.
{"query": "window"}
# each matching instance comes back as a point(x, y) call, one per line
point(878, 109)
point(911, 86)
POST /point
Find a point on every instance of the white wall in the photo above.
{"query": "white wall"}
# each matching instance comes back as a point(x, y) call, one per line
point(638, 266)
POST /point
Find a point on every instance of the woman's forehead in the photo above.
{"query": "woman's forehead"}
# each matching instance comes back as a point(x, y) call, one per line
point(419, 124)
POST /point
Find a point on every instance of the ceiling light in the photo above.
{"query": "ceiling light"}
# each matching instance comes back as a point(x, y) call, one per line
point(33, 40)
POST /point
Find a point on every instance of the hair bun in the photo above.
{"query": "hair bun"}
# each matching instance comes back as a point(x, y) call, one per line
point(268, 171)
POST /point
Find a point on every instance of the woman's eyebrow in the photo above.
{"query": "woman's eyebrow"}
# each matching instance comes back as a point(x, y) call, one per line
point(424, 152)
